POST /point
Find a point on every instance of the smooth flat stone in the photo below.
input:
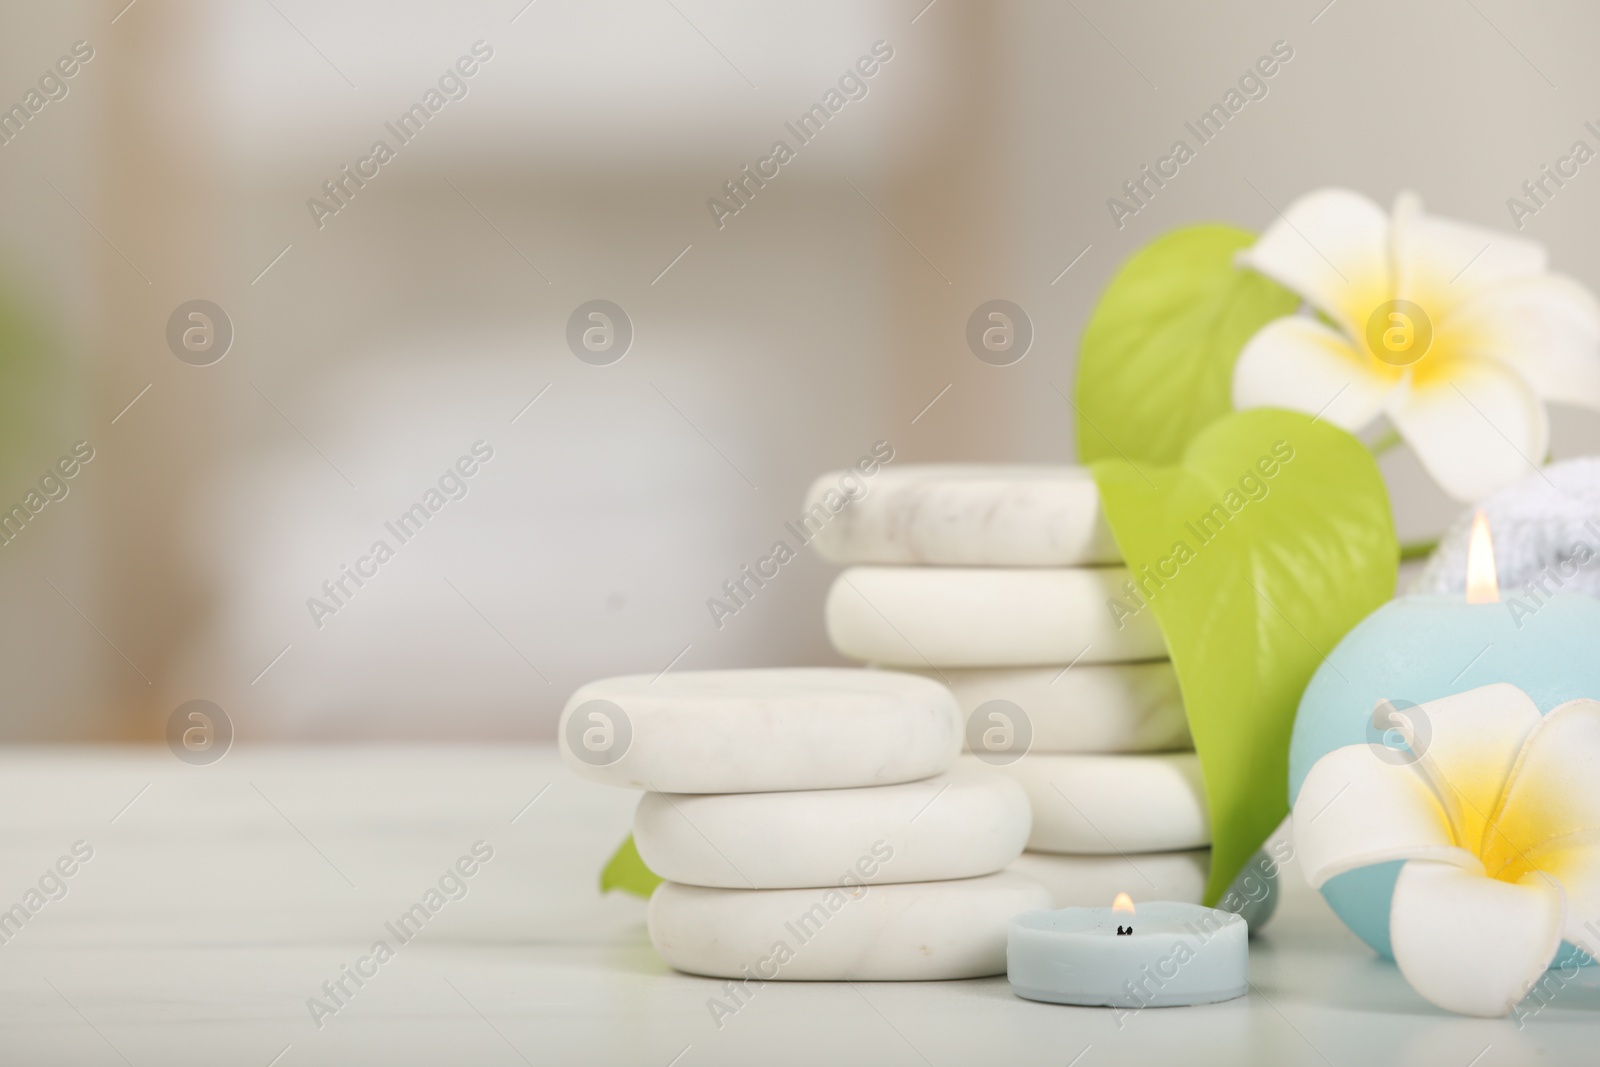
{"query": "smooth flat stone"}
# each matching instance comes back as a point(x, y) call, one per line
point(957, 825)
point(755, 731)
point(904, 932)
point(1092, 881)
point(986, 617)
point(1095, 881)
point(1107, 707)
point(1100, 805)
point(965, 515)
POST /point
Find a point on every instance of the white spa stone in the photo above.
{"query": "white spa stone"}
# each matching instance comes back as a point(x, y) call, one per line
point(957, 825)
point(1103, 805)
point(986, 617)
point(1090, 881)
point(1106, 707)
point(751, 731)
point(904, 932)
point(964, 515)
point(1095, 881)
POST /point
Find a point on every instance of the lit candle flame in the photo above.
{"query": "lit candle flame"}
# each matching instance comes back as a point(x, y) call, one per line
point(1483, 586)
point(1123, 902)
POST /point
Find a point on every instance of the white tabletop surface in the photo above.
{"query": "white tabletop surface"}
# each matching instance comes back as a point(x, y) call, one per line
point(222, 897)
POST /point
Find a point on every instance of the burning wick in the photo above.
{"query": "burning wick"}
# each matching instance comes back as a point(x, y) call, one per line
point(1483, 586)
point(1123, 902)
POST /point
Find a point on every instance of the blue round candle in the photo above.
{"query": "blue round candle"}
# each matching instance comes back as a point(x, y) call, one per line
point(1420, 648)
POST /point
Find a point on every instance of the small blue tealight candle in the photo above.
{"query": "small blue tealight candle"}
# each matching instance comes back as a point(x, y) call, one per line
point(1164, 954)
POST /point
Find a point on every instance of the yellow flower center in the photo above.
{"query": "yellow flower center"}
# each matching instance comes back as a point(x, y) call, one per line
point(1400, 334)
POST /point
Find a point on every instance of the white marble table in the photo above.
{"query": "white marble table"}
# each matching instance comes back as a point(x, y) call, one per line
point(219, 900)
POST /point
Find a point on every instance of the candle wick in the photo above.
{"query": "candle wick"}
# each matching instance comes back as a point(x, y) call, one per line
point(1124, 931)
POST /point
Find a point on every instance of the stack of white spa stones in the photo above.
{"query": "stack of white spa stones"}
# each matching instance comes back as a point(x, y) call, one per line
point(1004, 583)
point(810, 823)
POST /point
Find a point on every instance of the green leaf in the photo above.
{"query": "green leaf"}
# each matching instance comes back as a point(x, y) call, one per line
point(627, 872)
point(31, 365)
point(1156, 364)
point(1252, 599)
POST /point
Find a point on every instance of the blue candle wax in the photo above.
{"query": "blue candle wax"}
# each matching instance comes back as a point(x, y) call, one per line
point(1420, 648)
point(1177, 954)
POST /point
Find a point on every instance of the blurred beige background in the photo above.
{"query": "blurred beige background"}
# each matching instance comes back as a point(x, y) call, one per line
point(427, 313)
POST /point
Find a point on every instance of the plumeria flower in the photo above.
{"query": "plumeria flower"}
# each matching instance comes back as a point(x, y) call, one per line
point(1496, 812)
point(1456, 333)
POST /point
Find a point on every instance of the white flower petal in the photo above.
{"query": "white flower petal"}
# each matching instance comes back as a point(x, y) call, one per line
point(1356, 808)
point(1475, 424)
point(1298, 363)
point(1575, 865)
point(1547, 328)
point(1331, 247)
point(1439, 263)
point(1471, 944)
point(1467, 745)
point(1553, 798)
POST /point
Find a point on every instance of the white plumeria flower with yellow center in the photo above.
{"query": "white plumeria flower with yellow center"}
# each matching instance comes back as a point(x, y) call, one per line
point(1456, 333)
point(1496, 811)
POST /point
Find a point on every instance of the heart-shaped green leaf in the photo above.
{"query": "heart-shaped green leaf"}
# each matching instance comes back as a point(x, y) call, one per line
point(1156, 363)
point(1257, 552)
point(625, 870)
point(30, 380)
